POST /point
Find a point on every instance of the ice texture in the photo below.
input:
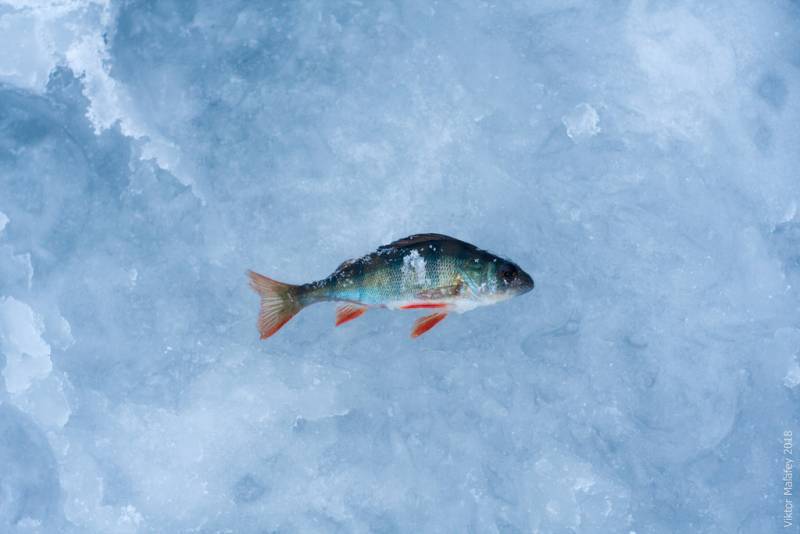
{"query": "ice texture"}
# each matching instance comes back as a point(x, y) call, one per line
point(27, 355)
point(581, 122)
point(639, 159)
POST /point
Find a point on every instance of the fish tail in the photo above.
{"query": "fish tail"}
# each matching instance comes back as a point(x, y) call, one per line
point(279, 302)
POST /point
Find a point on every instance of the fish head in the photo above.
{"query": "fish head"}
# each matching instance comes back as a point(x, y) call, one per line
point(507, 280)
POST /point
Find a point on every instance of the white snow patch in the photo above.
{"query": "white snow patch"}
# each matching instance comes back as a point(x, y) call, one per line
point(25, 264)
point(59, 333)
point(27, 354)
point(792, 378)
point(15, 268)
point(129, 516)
point(133, 275)
point(414, 267)
point(582, 122)
point(789, 214)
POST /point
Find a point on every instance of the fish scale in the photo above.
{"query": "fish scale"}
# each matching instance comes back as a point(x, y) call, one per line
point(393, 279)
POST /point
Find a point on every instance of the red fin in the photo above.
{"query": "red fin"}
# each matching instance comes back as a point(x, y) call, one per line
point(348, 312)
point(423, 324)
point(423, 305)
point(278, 303)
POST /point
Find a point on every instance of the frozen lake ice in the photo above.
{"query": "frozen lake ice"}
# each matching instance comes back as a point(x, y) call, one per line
point(639, 159)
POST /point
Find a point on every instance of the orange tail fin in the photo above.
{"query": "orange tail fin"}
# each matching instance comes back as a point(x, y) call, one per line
point(279, 303)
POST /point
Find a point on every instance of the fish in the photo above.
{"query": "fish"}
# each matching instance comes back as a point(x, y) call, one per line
point(431, 272)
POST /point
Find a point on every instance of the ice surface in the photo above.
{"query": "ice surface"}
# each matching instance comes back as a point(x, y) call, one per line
point(638, 159)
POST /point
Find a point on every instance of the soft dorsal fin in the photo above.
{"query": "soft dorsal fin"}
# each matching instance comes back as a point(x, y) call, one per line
point(417, 239)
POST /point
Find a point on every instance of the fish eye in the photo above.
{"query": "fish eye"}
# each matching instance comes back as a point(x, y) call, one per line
point(509, 274)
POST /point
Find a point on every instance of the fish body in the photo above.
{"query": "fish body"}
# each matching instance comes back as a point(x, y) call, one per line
point(425, 271)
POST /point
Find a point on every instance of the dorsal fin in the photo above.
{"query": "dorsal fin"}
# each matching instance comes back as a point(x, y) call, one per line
point(417, 239)
point(345, 263)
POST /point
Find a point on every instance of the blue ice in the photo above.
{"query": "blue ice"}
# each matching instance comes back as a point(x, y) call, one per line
point(638, 158)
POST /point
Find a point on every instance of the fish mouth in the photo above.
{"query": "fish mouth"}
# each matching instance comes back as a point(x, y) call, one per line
point(524, 283)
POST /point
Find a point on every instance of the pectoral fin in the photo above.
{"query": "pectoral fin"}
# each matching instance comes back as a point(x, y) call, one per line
point(453, 290)
point(423, 324)
point(348, 312)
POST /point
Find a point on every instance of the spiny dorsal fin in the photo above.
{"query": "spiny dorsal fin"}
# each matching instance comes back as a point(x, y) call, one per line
point(345, 263)
point(417, 239)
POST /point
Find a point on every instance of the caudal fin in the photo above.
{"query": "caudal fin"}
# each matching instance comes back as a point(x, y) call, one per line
point(279, 303)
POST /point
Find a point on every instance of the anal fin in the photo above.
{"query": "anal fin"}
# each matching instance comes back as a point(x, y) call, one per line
point(348, 312)
point(423, 324)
